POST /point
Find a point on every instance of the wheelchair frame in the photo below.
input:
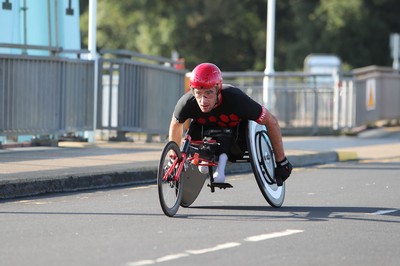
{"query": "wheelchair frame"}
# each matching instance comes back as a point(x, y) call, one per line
point(179, 181)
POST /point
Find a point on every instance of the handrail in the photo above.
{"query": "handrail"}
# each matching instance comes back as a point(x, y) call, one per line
point(52, 49)
point(130, 54)
point(254, 74)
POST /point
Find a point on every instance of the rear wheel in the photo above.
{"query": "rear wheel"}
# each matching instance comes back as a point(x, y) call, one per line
point(263, 163)
point(169, 189)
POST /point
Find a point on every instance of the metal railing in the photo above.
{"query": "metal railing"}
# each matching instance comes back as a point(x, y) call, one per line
point(377, 91)
point(137, 95)
point(45, 95)
point(303, 103)
point(42, 95)
point(53, 50)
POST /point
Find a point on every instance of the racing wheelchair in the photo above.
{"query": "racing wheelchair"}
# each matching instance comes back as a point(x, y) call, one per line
point(179, 180)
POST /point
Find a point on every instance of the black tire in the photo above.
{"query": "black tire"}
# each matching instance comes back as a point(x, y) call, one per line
point(169, 191)
point(263, 163)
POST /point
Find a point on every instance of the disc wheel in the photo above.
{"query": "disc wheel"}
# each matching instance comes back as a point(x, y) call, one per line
point(194, 182)
point(263, 163)
point(169, 188)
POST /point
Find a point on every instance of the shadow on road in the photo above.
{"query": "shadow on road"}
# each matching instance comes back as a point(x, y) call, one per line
point(302, 213)
point(256, 213)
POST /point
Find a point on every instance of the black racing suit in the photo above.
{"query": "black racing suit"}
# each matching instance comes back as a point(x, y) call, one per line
point(227, 122)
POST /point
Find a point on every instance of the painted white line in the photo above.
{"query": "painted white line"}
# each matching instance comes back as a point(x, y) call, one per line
point(381, 212)
point(172, 257)
point(272, 235)
point(141, 263)
point(216, 248)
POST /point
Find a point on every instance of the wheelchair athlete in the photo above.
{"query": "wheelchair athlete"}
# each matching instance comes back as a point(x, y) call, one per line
point(219, 111)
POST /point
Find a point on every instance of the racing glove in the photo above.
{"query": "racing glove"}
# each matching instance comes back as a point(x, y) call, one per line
point(282, 171)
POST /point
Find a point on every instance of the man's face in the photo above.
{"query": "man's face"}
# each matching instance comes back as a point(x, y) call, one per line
point(206, 99)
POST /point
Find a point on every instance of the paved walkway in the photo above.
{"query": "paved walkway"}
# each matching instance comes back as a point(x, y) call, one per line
point(77, 166)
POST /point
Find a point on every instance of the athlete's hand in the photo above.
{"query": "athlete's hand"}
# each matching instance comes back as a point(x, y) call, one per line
point(282, 171)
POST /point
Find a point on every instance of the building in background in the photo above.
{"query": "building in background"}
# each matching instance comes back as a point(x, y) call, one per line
point(38, 28)
point(323, 64)
point(51, 24)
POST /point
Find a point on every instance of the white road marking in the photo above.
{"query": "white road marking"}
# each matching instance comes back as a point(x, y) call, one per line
point(33, 202)
point(141, 263)
point(142, 187)
point(381, 212)
point(272, 235)
point(172, 257)
point(215, 248)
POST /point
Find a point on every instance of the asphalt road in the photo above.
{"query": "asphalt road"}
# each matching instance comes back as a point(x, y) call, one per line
point(338, 214)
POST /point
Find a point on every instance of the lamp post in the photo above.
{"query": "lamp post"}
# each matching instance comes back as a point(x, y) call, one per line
point(268, 81)
point(395, 49)
point(93, 56)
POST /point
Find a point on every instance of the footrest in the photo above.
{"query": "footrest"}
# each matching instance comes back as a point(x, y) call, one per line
point(220, 185)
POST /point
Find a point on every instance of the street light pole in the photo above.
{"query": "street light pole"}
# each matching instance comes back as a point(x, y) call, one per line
point(92, 27)
point(269, 60)
point(396, 50)
point(268, 81)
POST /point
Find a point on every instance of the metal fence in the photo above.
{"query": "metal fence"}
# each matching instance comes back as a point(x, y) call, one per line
point(303, 103)
point(45, 95)
point(377, 94)
point(135, 95)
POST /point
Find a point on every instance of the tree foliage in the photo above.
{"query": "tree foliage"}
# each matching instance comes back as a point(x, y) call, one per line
point(232, 33)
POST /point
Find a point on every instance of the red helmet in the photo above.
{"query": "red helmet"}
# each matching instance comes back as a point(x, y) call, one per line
point(206, 76)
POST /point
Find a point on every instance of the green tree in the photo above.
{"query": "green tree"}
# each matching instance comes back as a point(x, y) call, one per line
point(231, 33)
point(357, 31)
point(138, 25)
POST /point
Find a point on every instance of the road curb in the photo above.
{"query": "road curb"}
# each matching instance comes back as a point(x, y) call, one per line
point(347, 156)
point(313, 159)
point(25, 188)
point(145, 175)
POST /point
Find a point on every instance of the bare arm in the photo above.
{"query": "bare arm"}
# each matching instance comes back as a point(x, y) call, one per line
point(175, 131)
point(274, 133)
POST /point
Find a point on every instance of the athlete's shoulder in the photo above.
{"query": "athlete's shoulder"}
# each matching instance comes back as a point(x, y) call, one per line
point(230, 89)
point(185, 107)
point(185, 98)
point(237, 97)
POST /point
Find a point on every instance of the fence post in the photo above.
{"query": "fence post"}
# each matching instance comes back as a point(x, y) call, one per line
point(336, 103)
point(315, 117)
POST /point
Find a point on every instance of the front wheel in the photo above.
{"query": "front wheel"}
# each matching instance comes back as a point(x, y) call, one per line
point(169, 185)
point(263, 163)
